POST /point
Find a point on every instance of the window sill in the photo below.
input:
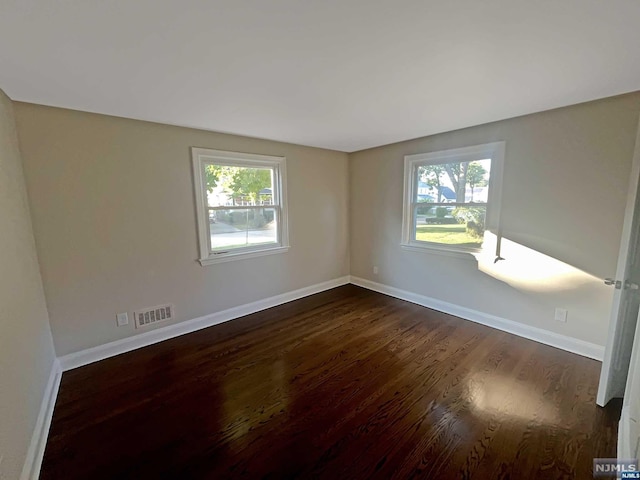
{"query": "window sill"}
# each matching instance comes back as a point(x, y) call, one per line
point(229, 257)
point(441, 250)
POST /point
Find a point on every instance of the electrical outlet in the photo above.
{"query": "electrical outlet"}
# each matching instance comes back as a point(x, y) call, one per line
point(122, 319)
point(375, 270)
point(561, 314)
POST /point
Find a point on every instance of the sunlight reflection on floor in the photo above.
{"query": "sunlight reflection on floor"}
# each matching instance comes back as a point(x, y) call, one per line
point(517, 400)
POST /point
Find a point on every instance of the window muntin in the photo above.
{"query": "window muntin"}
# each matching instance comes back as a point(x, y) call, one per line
point(452, 197)
point(241, 204)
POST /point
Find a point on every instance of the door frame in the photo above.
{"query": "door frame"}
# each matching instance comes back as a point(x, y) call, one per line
point(607, 391)
point(628, 429)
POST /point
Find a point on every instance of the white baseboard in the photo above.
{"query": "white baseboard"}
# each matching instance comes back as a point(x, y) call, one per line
point(35, 454)
point(37, 446)
point(90, 355)
point(570, 344)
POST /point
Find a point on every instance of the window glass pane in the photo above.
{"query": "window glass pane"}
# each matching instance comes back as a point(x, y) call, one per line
point(227, 186)
point(244, 227)
point(459, 226)
point(458, 182)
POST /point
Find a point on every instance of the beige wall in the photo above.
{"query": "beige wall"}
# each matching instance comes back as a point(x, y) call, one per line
point(26, 348)
point(114, 216)
point(565, 183)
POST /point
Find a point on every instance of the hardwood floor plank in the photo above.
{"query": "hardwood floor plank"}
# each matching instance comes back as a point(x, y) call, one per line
point(347, 383)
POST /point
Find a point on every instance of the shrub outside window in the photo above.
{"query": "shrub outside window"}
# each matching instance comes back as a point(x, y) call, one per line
point(241, 204)
point(452, 197)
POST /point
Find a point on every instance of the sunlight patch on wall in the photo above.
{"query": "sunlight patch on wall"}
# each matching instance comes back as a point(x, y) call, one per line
point(527, 269)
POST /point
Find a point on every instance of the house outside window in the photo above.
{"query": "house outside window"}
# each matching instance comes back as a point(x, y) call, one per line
point(452, 198)
point(241, 205)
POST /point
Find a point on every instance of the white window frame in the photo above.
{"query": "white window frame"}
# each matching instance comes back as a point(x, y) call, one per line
point(204, 156)
point(494, 151)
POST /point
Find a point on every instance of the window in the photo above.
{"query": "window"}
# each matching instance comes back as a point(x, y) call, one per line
point(452, 197)
point(241, 204)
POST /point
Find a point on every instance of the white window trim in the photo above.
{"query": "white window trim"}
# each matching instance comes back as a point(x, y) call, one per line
point(494, 150)
point(203, 156)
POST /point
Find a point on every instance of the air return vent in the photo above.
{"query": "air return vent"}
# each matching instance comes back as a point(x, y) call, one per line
point(153, 315)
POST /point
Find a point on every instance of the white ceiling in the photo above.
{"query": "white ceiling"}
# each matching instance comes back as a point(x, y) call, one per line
point(340, 74)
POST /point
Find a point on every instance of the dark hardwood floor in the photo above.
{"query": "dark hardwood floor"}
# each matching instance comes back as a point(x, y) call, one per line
point(343, 384)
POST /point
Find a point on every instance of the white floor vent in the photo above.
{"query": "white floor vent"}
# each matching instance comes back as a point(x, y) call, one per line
point(153, 315)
